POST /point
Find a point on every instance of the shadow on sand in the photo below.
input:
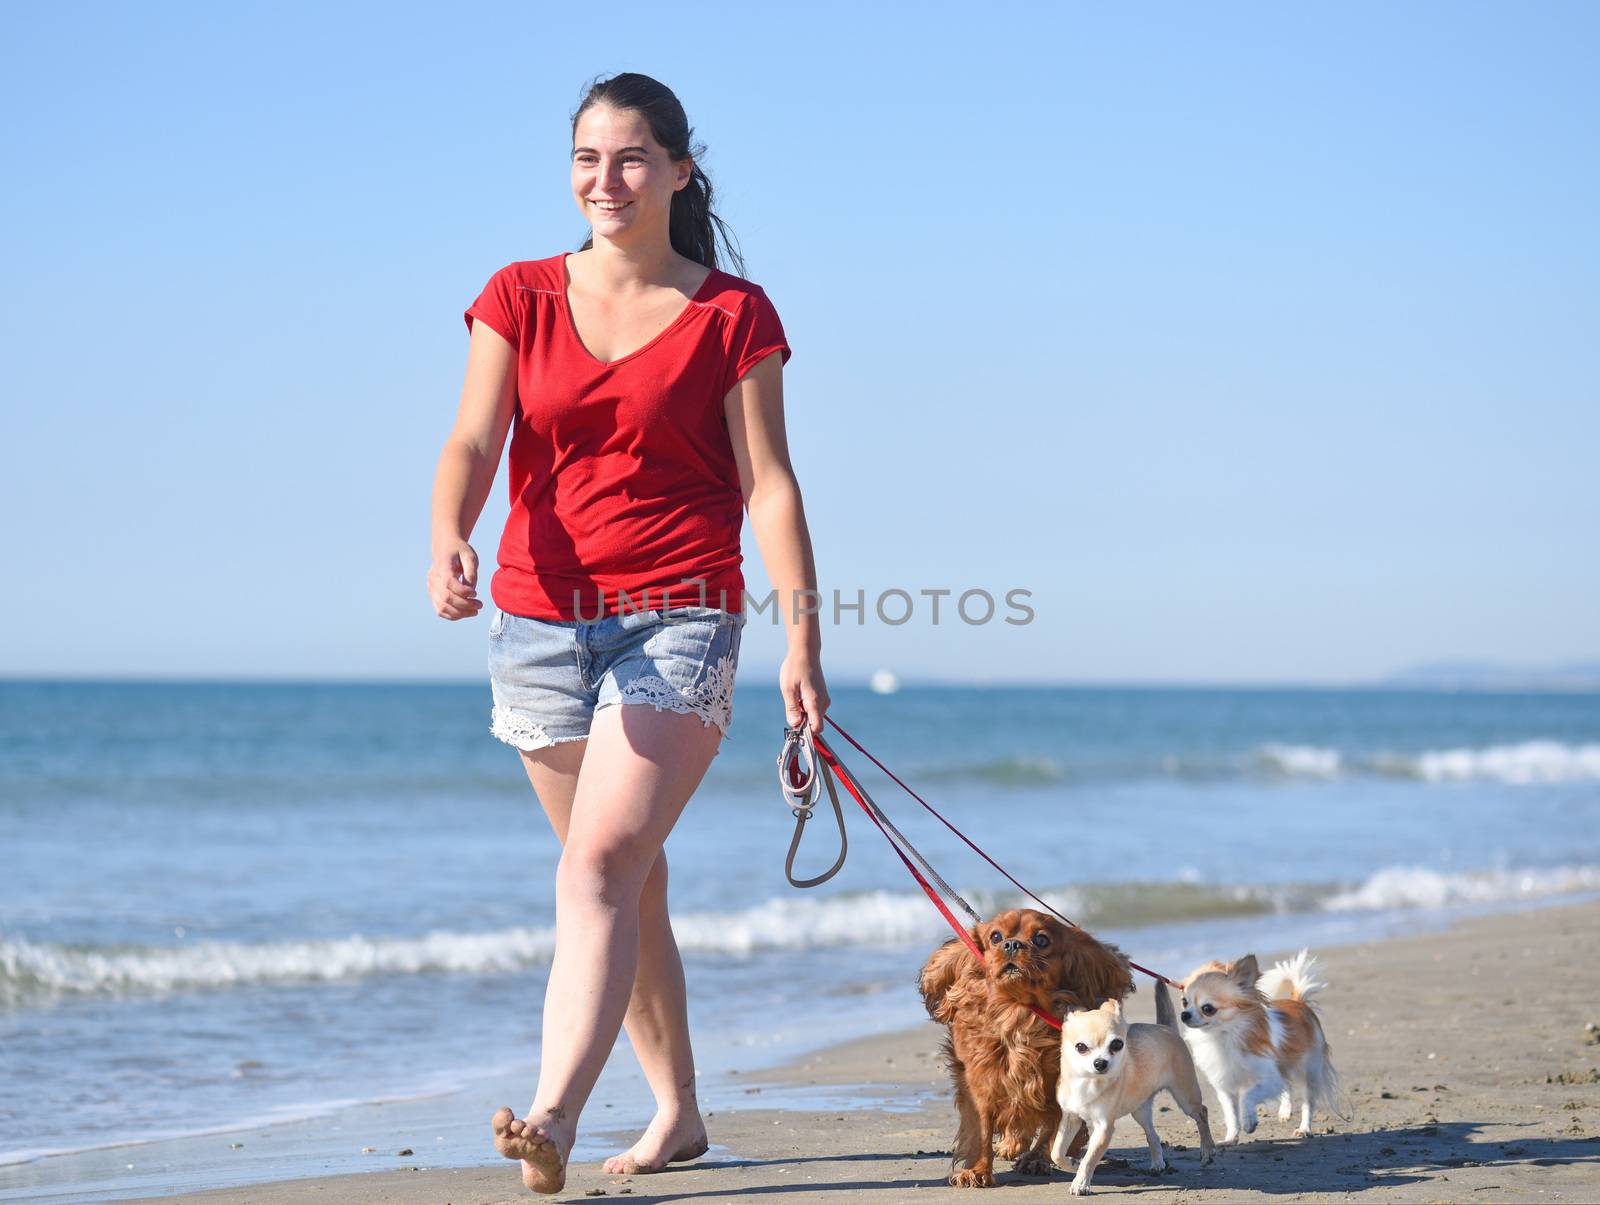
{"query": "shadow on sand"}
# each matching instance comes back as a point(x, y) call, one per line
point(1378, 1159)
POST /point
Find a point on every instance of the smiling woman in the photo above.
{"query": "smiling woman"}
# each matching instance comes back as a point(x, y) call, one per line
point(641, 387)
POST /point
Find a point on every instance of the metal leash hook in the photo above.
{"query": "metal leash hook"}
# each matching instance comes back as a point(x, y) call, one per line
point(801, 778)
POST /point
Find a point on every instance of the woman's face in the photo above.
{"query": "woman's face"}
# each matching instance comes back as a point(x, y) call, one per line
point(616, 160)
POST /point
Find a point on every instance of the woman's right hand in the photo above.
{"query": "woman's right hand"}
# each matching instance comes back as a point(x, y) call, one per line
point(453, 582)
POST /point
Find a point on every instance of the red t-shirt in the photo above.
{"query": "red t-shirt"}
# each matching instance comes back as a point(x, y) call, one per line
point(623, 481)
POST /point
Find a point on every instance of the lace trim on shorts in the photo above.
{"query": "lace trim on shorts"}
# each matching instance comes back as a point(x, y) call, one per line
point(711, 699)
point(519, 731)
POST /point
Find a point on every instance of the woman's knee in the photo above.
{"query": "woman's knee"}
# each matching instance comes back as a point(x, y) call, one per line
point(615, 869)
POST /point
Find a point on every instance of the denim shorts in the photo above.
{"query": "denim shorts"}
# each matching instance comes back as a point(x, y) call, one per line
point(549, 676)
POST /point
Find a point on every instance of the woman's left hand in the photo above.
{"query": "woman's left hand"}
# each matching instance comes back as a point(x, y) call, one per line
point(805, 694)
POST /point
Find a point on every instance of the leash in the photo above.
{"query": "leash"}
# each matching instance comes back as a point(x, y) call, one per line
point(802, 777)
point(802, 787)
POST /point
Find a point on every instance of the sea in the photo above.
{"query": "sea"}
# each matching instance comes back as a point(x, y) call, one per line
point(228, 910)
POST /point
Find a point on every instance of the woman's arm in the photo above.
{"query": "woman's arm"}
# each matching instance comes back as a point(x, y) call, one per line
point(754, 407)
point(466, 470)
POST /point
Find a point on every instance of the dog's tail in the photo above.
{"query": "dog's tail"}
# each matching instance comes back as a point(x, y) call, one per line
point(1292, 980)
point(1327, 1091)
point(1165, 1015)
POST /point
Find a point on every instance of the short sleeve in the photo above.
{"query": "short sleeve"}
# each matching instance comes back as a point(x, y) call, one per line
point(757, 333)
point(497, 306)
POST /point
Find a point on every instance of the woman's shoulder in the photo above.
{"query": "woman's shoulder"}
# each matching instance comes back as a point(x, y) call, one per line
point(734, 293)
point(535, 275)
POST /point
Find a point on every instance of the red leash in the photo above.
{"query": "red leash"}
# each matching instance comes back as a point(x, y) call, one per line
point(970, 845)
point(831, 762)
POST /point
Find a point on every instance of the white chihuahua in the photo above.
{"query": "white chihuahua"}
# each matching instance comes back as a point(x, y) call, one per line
point(1110, 1069)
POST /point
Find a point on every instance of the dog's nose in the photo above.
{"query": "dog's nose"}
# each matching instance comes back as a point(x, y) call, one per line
point(1185, 1017)
point(1013, 946)
point(1101, 1064)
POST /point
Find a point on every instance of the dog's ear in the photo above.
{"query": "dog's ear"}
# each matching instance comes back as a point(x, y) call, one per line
point(1112, 1006)
point(943, 969)
point(1246, 971)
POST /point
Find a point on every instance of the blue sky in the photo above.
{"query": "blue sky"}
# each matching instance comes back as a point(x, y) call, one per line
point(1256, 341)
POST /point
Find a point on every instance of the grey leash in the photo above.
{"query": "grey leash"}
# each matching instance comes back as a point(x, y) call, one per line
point(799, 756)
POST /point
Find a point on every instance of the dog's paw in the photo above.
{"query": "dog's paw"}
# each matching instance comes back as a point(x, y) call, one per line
point(1077, 1190)
point(1160, 1165)
point(1302, 1133)
point(1011, 1146)
point(1032, 1163)
point(971, 1177)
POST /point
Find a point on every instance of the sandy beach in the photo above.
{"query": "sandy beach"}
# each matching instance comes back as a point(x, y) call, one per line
point(1470, 1057)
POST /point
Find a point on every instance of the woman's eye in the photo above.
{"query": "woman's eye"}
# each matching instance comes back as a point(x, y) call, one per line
point(1041, 939)
point(1208, 1009)
point(1116, 1046)
point(994, 938)
point(1081, 1048)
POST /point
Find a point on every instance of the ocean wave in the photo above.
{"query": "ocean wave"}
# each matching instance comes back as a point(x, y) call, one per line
point(1528, 762)
point(32, 972)
point(1399, 887)
point(1000, 771)
point(1300, 761)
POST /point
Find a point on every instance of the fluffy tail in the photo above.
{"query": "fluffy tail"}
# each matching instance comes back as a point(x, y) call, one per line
point(1328, 1091)
point(1164, 1011)
point(1292, 980)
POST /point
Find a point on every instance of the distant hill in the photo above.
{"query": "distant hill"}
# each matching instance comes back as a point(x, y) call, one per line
point(1488, 675)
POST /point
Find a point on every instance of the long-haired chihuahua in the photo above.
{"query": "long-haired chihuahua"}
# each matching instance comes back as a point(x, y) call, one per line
point(1256, 1036)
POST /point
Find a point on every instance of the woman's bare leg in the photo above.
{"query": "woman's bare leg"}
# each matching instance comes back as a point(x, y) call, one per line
point(637, 775)
point(658, 1016)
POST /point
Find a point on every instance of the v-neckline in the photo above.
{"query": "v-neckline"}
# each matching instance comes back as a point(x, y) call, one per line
point(572, 324)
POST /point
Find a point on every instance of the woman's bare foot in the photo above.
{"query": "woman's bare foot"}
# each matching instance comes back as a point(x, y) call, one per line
point(542, 1148)
point(665, 1140)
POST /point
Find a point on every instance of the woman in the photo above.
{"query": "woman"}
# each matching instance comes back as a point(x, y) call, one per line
point(647, 407)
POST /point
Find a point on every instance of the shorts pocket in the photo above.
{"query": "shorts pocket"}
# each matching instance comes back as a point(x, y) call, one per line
point(497, 625)
point(680, 651)
point(686, 667)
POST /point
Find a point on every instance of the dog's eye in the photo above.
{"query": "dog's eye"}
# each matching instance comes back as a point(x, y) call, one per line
point(994, 938)
point(1081, 1048)
point(1116, 1045)
point(1208, 1009)
point(1185, 1001)
point(1041, 939)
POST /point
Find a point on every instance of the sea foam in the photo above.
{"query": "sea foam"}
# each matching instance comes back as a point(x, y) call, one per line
point(33, 972)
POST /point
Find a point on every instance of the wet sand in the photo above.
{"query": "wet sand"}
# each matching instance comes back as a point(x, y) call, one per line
point(1469, 1056)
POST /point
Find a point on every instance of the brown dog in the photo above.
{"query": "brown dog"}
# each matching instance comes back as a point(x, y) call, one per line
point(1004, 1060)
